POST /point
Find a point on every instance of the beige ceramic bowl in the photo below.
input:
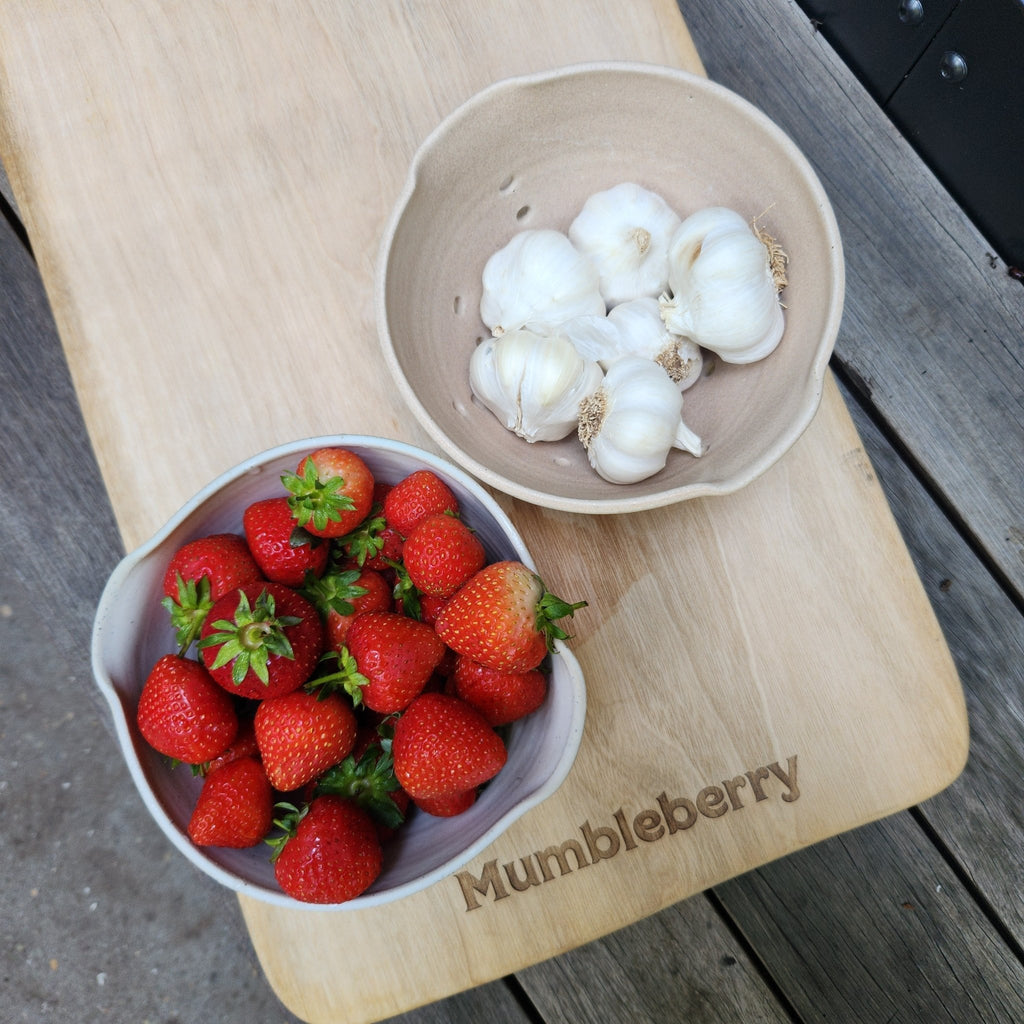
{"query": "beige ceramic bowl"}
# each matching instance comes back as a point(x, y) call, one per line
point(131, 631)
point(526, 153)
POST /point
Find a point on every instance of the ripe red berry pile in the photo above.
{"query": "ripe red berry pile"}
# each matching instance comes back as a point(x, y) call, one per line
point(351, 660)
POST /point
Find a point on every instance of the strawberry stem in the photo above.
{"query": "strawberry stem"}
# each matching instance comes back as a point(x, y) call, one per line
point(549, 608)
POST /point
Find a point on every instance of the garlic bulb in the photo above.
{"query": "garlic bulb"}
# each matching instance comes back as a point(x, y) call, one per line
point(536, 281)
point(633, 420)
point(643, 333)
point(534, 385)
point(723, 293)
point(626, 231)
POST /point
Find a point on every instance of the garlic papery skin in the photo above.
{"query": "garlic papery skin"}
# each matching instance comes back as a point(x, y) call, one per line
point(723, 293)
point(538, 280)
point(633, 420)
point(626, 231)
point(642, 332)
point(594, 337)
point(532, 384)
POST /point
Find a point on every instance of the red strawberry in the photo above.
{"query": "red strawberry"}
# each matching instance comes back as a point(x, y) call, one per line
point(389, 545)
point(501, 697)
point(429, 608)
point(417, 495)
point(283, 551)
point(447, 806)
point(443, 746)
point(392, 656)
point(372, 543)
point(303, 734)
point(262, 640)
point(235, 807)
point(441, 553)
point(504, 618)
point(341, 596)
point(331, 855)
point(243, 745)
point(198, 573)
point(183, 713)
point(331, 492)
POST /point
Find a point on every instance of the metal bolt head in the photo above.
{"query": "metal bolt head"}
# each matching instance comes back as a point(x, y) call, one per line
point(910, 12)
point(952, 66)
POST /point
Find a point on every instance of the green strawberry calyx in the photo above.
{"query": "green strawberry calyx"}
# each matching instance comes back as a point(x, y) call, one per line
point(189, 612)
point(549, 609)
point(333, 591)
point(251, 637)
point(316, 501)
point(366, 540)
point(344, 675)
point(405, 591)
point(289, 816)
point(369, 781)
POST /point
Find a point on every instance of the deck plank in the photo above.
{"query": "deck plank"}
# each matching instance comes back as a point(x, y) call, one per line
point(932, 327)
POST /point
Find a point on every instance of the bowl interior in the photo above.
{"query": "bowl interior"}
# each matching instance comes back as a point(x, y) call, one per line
point(526, 153)
point(131, 632)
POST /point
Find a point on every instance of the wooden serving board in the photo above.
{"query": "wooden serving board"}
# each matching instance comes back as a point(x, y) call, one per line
point(205, 186)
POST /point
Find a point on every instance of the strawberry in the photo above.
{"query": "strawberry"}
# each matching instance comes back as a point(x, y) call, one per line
point(183, 713)
point(330, 852)
point(390, 657)
point(504, 617)
point(198, 573)
point(262, 640)
point(243, 745)
point(388, 550)
point(415, 496)
point(447, 806)
point(235, 806)
point(442, 746)
point(283, 551)
point(303, 734)
point(441, 553)
point(331, 491)
point(340, 596)
point(430, 606)
point(501, 697)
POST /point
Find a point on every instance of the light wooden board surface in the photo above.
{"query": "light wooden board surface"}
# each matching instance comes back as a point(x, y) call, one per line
point(209, 262)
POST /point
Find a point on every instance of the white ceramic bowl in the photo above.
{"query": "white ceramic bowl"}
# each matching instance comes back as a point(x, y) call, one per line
point(131, 632)
point(526, 153)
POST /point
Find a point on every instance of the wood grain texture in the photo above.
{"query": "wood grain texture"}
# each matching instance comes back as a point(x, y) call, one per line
point(904, 971)
point(673, 966)
point(208, 235)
